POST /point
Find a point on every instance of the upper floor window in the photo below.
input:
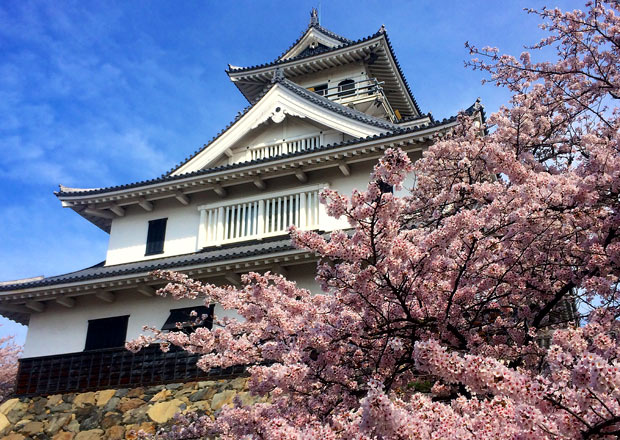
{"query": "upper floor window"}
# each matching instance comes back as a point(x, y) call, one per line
point(346, 87)
point(106, 333)
point(156, 236)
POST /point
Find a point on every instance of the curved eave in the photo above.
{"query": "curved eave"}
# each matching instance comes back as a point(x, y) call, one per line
point(251, 81)
point(19, 302)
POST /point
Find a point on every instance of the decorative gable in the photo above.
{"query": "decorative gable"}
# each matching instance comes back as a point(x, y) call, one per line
point(285, 100)
point(315, 40)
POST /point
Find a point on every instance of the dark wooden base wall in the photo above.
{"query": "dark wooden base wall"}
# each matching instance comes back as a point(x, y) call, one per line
point(111, 368)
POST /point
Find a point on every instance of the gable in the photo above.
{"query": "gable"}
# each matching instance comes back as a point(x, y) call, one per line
point(313, 41)
point(285, 100)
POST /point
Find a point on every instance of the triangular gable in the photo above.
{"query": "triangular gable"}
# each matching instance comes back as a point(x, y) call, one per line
point(282, 100)
point(313, 40)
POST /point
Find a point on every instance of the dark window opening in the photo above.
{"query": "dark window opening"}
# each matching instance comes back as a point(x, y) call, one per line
point(156, 236)
point(346, 87)
point(321, 89)
point(189, 319)
point(106, 333)
point(385, 187)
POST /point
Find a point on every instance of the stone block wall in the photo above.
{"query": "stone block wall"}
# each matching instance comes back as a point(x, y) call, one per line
point(114, 414)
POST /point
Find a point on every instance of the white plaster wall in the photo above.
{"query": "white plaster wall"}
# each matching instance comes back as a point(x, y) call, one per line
point(270, 132)
point(127, 242)
point(290, 128)
point(128, 234)
point(60, 330)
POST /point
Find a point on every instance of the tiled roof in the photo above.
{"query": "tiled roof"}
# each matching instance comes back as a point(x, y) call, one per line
point(400, 72)
point(329, 34)
point(306, 94)
point(337, 108)
point(310, 96)
point(207, 255)
point(168, 178)
point(320, 29)
point(380, 32)
point(234, 69)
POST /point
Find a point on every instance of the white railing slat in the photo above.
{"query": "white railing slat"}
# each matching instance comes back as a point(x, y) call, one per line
point(284, 147)
point(257, 218)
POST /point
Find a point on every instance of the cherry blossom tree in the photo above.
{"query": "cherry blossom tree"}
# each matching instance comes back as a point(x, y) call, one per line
point(484, 304)
point(9, 353)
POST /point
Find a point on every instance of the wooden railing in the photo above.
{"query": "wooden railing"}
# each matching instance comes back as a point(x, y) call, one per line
point(259, 217)
point(111, 368)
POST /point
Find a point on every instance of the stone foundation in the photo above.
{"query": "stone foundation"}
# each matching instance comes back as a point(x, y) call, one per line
point(114, 414)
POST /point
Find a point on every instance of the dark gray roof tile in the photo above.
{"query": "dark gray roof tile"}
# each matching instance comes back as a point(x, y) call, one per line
point(345, 44)
point(207, 255)
point(299, 57)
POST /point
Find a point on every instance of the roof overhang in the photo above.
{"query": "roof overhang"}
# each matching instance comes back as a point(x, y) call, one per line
point(111, 202)
point(20, 303)
point(376, 52)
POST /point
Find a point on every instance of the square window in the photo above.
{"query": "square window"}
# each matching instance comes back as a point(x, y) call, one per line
point(156, 236)
point(106, 333)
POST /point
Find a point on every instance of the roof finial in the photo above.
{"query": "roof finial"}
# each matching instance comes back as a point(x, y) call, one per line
point(314, 17)
point(382, 29)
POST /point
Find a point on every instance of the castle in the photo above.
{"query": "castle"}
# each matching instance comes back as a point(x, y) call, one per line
point(320, 115)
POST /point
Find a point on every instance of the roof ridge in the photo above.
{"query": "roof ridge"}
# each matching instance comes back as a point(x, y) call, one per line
point(314, 24)
point(332, 34)
point(278, 78)
point(381, 32)
point(240, 115)
point(234, 69)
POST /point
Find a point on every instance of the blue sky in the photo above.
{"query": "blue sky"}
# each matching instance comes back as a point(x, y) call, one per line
point(102, 93)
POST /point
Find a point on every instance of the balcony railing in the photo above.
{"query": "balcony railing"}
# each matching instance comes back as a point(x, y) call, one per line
point(259, 217)
point(111, 368)
point(358, 92)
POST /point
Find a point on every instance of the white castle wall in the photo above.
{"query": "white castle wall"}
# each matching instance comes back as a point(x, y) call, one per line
point(128, 234)
point(60, 330)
